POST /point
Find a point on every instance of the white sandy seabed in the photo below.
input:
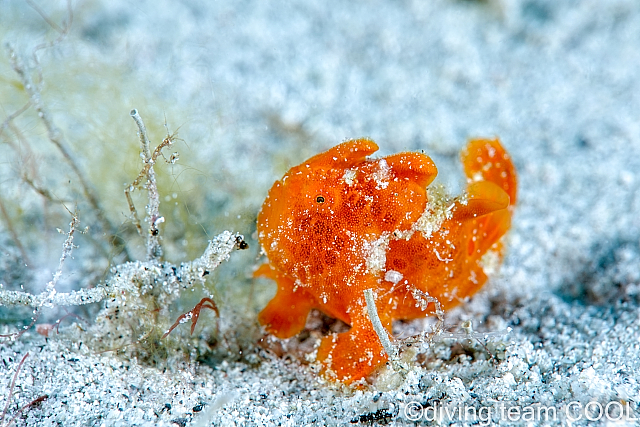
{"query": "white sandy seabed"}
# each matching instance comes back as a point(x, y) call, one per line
point(558, 81)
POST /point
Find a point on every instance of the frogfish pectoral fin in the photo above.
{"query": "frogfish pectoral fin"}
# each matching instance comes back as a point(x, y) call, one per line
point(286, 314)
point(355, 354)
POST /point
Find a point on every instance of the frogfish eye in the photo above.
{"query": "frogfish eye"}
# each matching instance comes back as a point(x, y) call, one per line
point(319, 199)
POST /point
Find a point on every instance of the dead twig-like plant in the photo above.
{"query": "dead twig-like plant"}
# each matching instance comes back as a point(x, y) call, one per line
point(154, 250)
point(56, 137)
point(47, 296)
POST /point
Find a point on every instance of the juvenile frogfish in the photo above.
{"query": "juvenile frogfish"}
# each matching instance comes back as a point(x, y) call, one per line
point(341, 223)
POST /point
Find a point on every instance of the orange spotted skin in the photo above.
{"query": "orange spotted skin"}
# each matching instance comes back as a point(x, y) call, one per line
point(341, 223)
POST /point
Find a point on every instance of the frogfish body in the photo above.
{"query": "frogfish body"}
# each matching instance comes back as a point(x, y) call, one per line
point(341, 223)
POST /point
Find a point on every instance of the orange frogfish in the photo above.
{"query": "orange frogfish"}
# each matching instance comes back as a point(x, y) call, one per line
point(341, 223)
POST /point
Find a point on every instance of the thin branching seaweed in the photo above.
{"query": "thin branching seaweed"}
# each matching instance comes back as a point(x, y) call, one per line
point(137, 294)
point(56, 137)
